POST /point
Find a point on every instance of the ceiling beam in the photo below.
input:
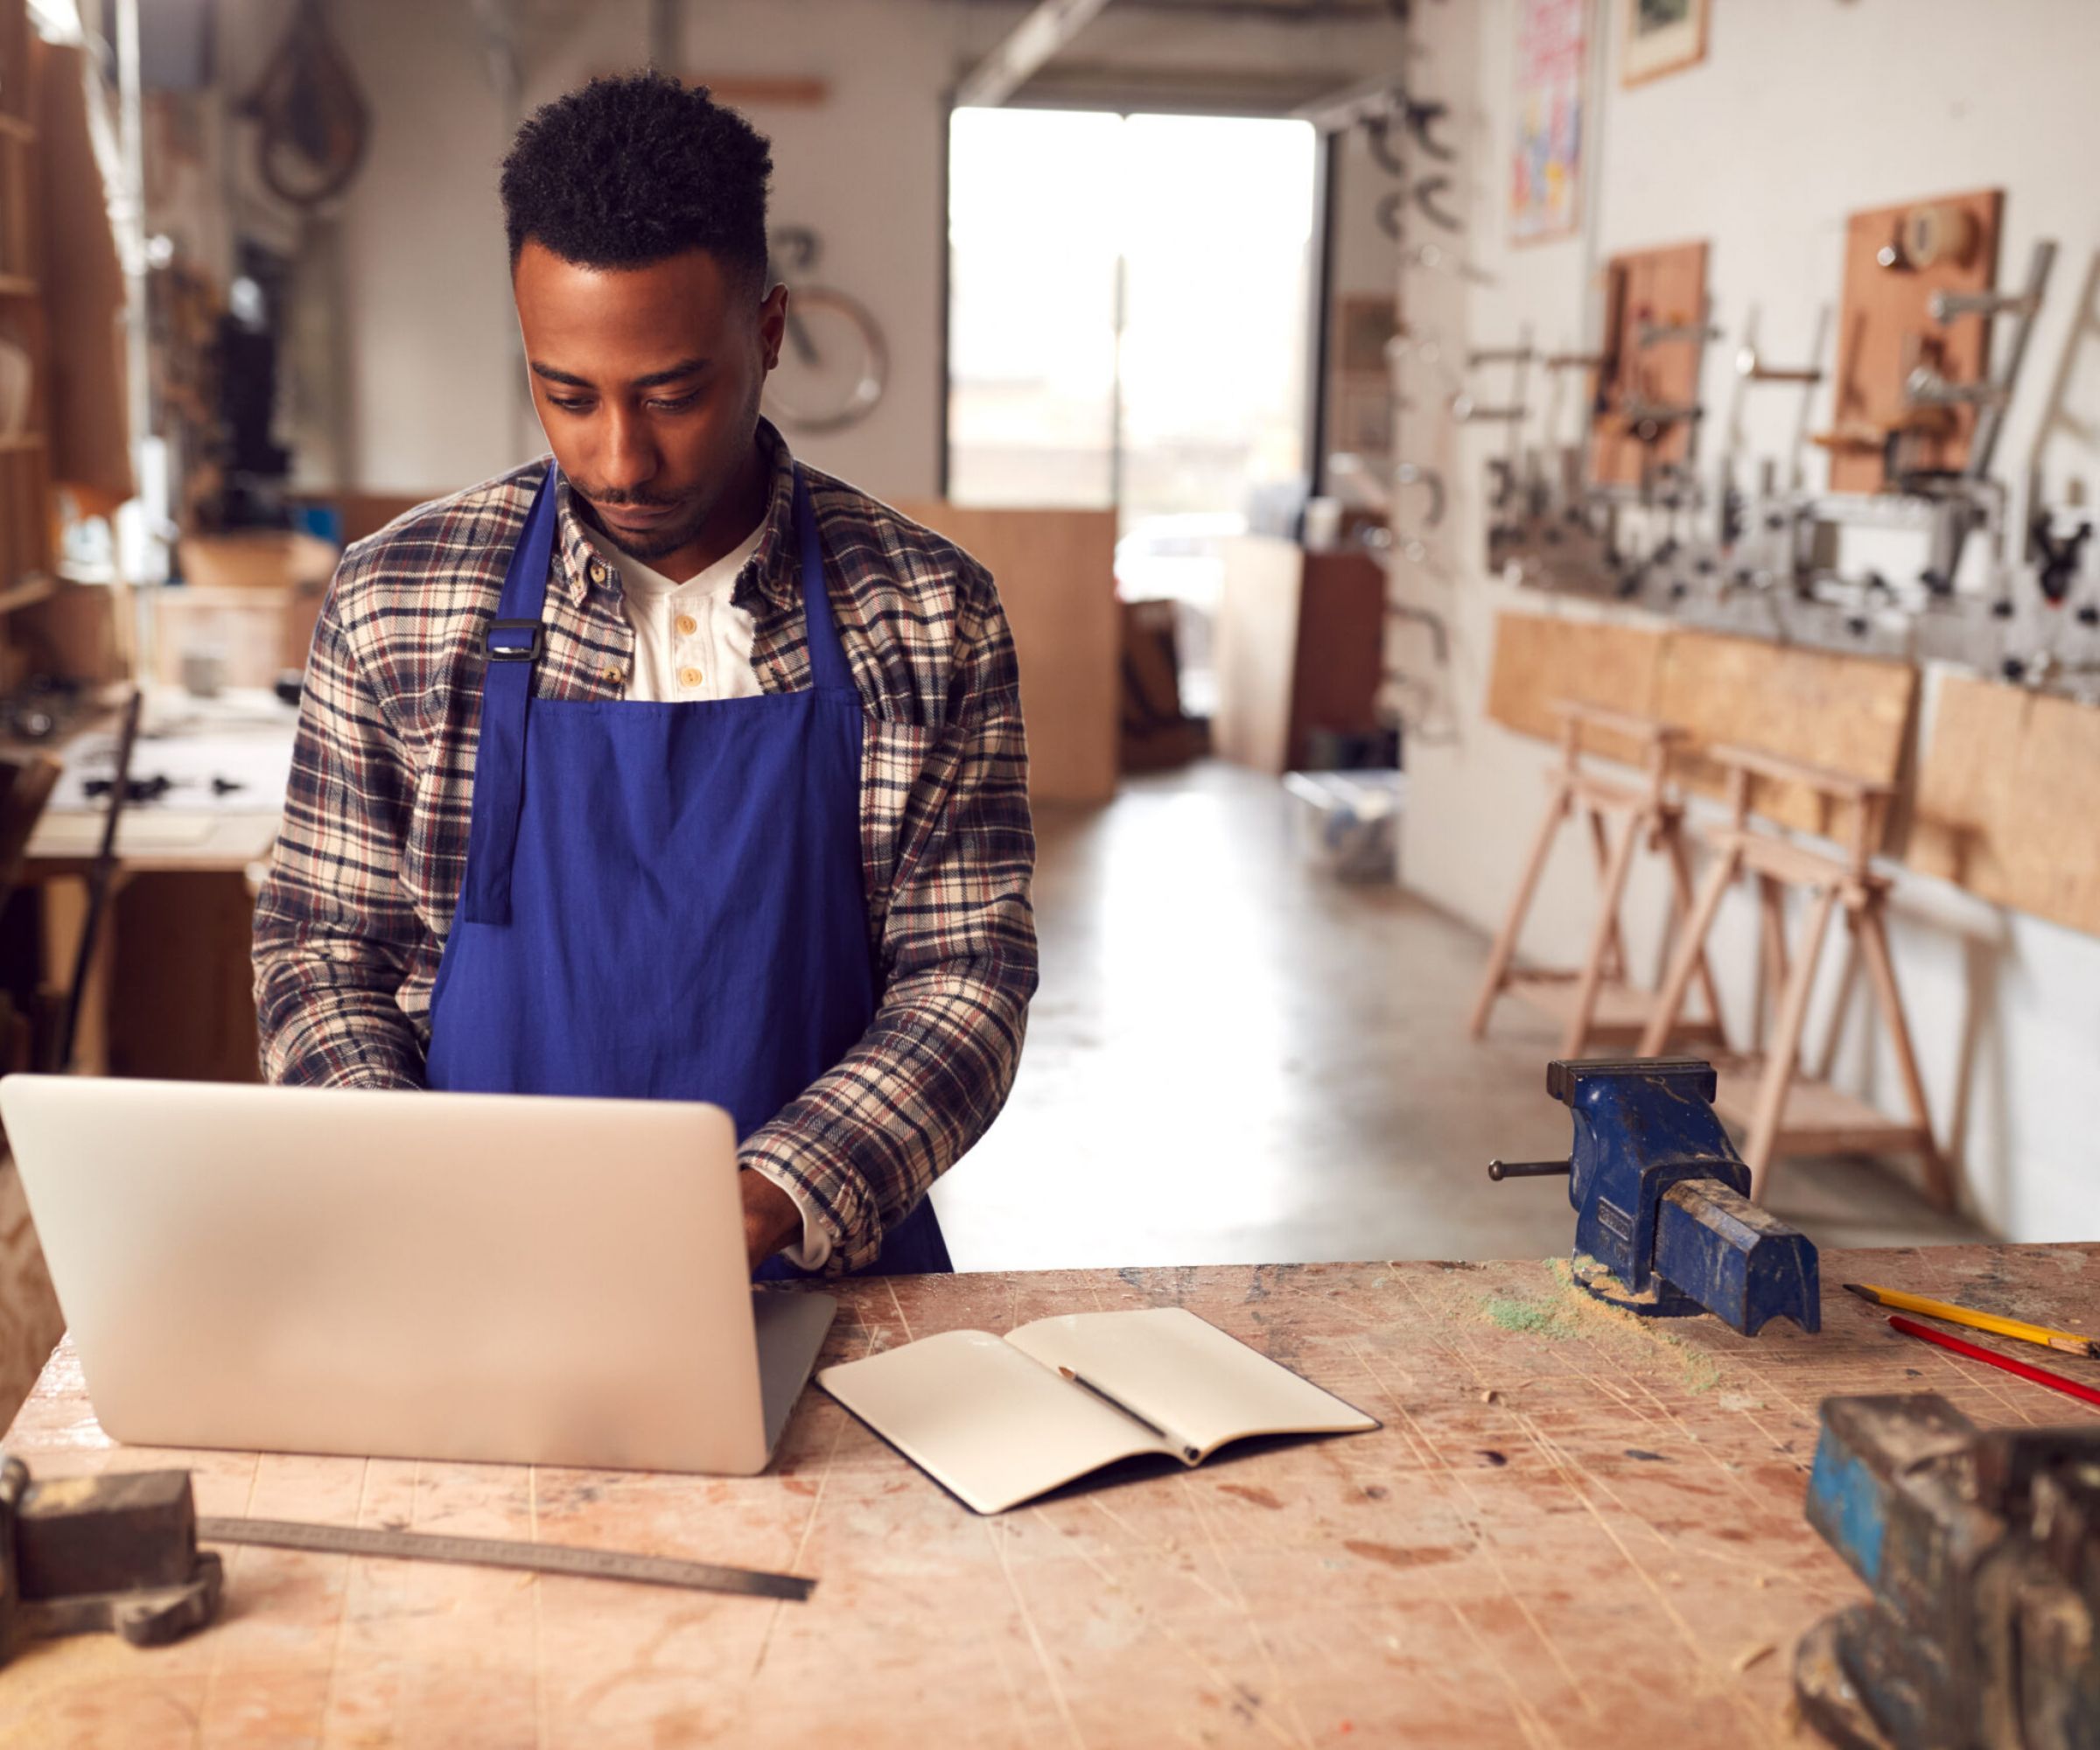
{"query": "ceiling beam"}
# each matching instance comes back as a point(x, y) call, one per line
point(1031, 43)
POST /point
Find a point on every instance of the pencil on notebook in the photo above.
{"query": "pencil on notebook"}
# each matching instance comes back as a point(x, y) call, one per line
point(2068, 1341)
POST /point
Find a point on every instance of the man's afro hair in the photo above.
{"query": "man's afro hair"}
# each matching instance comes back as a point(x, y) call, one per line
point(629, 170)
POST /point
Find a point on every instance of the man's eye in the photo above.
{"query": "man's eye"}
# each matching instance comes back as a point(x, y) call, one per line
point(678, 405)
point(568, 406)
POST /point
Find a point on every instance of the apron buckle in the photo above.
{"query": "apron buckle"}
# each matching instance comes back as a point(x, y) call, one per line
point(528, 652)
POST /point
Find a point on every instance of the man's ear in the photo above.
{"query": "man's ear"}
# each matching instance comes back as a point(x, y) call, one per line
point(773, 324)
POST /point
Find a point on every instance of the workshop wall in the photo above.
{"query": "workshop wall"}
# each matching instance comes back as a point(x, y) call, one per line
point(1802, 111)
point(428, 330)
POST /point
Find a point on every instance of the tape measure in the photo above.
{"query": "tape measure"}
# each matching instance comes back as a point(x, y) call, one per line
point(497, 1553)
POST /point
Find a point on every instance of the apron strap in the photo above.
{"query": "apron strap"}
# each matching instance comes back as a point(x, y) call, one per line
point(513, 644)
point(827, 664)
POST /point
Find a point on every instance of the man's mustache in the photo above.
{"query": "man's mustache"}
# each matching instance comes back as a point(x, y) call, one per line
point(628, 501)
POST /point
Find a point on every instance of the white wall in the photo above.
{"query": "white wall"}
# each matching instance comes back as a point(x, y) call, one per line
point(427, 320)
point(1802, 111)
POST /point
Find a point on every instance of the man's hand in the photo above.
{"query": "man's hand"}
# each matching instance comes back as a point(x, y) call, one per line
point(770, 1220)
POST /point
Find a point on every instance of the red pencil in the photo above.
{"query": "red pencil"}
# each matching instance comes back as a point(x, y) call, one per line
point(2055, 1381)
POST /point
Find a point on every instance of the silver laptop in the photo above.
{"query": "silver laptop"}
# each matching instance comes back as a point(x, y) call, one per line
point(431, 1275)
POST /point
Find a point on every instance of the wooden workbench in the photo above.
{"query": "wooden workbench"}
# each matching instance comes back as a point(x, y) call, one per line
point(1572, 1529)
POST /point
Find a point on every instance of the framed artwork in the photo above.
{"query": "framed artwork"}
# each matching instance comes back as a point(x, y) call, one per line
point(1545, 165)
point(1660, 37)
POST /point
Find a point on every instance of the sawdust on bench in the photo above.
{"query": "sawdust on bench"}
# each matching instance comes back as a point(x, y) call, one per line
point(1575, 1313)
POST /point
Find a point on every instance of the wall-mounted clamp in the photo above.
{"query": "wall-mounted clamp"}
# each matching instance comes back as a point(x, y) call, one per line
point(1647, 334)
point(1647, 420)
point(2057, 556)
point(1414, 474)
point(1428, 198)
point(1951, 306)
point(1925, 387)
point(1752, 368)
point(1423, 122)
point(1437, 259)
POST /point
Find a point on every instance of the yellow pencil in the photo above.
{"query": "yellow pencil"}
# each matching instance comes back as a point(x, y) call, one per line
point(1982, 1321)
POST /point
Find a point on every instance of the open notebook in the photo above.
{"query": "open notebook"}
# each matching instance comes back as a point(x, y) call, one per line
point(998, 1420)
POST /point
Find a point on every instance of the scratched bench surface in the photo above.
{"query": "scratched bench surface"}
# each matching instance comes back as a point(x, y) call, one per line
point(1573, 1528)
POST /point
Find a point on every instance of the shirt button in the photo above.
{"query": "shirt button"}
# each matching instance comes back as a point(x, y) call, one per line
point(687, 625)
point(597, 571)
point(689, 677)
point(614, 676)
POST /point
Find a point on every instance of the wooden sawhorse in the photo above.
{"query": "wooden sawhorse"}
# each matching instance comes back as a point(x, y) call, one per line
point(1780, 1110)
point(1597, 1003)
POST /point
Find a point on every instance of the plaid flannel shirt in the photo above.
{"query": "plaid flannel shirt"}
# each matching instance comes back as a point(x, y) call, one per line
point(352, 922)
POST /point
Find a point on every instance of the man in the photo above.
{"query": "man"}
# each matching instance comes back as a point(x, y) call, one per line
point(665, 768)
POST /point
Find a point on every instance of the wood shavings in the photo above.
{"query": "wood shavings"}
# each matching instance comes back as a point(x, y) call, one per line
point(1750, 1656)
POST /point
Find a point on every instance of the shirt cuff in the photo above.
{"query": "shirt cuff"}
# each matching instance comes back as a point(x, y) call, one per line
point(814, 1251)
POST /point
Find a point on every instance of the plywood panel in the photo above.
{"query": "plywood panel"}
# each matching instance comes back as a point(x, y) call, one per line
point(1948, 243)
point(2009, 800)
point(1056, 575)
point(1257, 650)
point(1666, 287)
point(1850, 713)
point(1539, 658)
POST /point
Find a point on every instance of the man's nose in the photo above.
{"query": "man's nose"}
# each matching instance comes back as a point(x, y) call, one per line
point(628, 460)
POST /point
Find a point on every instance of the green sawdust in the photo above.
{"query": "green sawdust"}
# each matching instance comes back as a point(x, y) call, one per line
point(1581, 1312)
point(1531, 1318)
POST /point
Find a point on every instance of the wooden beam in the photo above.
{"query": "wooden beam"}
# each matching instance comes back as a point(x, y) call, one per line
point(1028, 47)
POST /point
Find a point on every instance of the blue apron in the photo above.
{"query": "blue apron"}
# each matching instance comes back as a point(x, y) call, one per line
point(663, 901)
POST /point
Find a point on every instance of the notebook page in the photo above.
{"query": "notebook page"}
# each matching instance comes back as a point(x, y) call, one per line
point(981, 1420)
point(1202, 1386)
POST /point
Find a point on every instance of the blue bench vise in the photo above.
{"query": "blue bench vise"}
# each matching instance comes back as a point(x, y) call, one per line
point(1664, 1225)
point(1981, 1548)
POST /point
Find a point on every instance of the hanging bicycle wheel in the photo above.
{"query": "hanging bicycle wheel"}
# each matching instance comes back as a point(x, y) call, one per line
point(834, 365)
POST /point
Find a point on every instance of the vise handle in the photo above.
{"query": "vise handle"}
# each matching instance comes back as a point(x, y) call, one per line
point(1499, 1170)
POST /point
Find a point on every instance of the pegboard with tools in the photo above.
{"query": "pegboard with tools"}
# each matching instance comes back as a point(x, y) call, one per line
point(1920, 547)
point(1645, 412)
point(1913, 368)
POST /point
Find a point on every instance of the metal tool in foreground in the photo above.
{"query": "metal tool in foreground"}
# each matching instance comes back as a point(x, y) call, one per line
point(119, 1552)
point(1981, 1547)
point(1664, 1222)
point(500, 1552)
point(116, 1553)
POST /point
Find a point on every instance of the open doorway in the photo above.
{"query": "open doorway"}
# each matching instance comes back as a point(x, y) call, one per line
point(1130, 327)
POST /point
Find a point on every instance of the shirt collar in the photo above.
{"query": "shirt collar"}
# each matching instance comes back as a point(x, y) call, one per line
point(773, 570)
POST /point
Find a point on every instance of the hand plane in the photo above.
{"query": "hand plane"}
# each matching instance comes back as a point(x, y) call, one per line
point(1664, 1222)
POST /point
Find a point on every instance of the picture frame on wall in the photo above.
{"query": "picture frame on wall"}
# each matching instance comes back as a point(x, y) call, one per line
point(1659, 37)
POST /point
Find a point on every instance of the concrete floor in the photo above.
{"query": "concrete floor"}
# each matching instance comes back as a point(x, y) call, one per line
point(1235, 1058)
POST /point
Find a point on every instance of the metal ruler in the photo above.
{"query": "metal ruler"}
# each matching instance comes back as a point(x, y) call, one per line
point(498, 1552)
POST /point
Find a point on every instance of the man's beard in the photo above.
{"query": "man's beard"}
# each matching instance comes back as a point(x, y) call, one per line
point(653, 543)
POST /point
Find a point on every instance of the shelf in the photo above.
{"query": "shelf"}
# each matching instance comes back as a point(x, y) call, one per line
point(1818, 1118)
point(17, 286)
point(22, 444)
point(13, 127)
